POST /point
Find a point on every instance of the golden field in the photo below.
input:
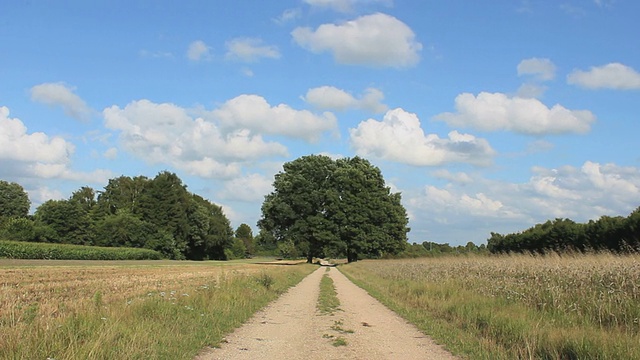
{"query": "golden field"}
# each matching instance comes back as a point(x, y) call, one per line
point(80, 310)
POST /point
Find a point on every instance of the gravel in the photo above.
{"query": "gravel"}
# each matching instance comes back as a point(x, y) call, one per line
point(291, 328)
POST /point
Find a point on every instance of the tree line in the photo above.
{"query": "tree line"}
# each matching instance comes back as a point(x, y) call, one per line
point(158, 214)
point(615, 234)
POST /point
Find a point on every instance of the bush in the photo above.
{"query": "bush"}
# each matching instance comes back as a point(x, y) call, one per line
point(28, 250)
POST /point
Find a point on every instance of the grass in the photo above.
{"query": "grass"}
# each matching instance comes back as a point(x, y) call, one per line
point(131, 312)
point(517, 306)
point(328, 302)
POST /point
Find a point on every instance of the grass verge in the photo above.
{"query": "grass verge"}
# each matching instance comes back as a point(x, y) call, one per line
point(515, 307)
point(170, 312)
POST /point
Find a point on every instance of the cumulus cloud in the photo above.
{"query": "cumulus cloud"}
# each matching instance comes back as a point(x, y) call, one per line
point(376, 40)
point(57, 94)
point(166, 133)
point(344, 5)
point(497, 111)
point(399, 137)
point(17, 144)
point(250, 50)
point(332, 98)
point(582, 193)
point(540, 69)
point(198, 50)
point(38, 155)
point(255, 113)
point(459, 178)
point(250, 188)
point(611, 76)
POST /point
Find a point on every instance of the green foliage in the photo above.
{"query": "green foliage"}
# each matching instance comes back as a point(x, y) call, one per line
point(158, 214)
point(69, 221)
point(616, 234)
point(245, 234)
point(19, 229)
point(336, 208)
point(287, 249)
point(27, 250)
point(14, 201)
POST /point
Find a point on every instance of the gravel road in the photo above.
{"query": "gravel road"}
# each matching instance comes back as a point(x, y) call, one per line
point(291, 328)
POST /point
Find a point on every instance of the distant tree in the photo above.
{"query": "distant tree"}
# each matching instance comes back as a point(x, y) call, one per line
point(245, 234)
point(121, 193)
point(14, 201)
point(86, 197)
point(164, 202)
point(332, 207)
point(18, 229)
point(68, 220)
point(210, 232)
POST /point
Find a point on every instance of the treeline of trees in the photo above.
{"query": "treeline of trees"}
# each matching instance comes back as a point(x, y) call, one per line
point(616, 234)
point(432, 249)
point(139, 212)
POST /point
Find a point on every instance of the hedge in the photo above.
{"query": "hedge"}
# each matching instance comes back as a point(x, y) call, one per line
point(29, 250)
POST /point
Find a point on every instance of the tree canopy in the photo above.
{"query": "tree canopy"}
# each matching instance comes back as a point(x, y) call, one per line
point(158, 214)
point(14, 201)
point(336, 208)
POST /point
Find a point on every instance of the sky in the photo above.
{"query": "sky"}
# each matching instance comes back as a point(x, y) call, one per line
point(488, 116)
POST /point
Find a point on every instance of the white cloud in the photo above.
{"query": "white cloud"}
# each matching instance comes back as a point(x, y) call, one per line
point(254, 112)
point(58, 94)
point(497, 111)
point(530, 91)
point(37, 155)
point(250, 50)
point(580, 193)
point(541, 69)
point(198, 51)
point(16, 144)
point(332, 98)
point(377, 40)
point(287, 16)
point(250, 188)
point(459, 178)
point(111, 153)
point(399, 137)
point(166, 133)
point(344, 5)
point(611, 76)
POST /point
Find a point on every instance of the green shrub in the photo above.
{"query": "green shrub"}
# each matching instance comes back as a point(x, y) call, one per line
point(27, 250)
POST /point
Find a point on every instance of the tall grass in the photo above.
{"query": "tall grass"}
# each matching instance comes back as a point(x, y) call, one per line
point(150, 312)
point(517, 306)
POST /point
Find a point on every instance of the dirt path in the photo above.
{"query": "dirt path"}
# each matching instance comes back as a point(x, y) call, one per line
point(291, 328)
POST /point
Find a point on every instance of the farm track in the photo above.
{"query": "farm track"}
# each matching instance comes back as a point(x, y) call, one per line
point(292, 328)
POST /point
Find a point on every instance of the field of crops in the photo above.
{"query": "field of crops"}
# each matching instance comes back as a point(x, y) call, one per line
point(80, 310)
point(508, 307)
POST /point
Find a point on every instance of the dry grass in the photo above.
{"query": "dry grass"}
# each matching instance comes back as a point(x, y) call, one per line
point(551, 307)
point(42, 308)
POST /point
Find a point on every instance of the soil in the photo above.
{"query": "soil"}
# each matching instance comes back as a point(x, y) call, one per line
point(292, 328)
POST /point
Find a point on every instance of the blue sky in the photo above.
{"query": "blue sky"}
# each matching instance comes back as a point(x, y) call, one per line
point(487, 116)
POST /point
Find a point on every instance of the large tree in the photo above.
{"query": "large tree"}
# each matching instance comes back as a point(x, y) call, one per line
point(335, 208)
point(14, 201)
